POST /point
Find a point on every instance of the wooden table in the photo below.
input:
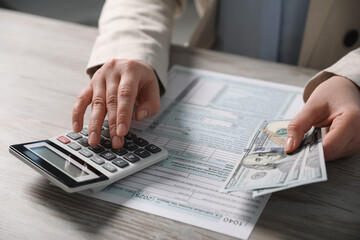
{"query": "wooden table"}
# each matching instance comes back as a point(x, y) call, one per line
point(42, 68)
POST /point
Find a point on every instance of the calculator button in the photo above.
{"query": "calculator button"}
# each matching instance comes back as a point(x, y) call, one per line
point(63, 139)
point(106, 133)
point(85, 152)
point(141, 142)
point(106, 123)
point(108, 155)
point(131, 157)
point(105, 143)
point(120, 163)
point(130, 146)
point(142, 153)
point(74, 146)
point(97, 160)
point(83, 142)
point(130, 136)
point(96, 149)
point(74, 136)
point(120, 152)
point(85, 131)
point(152, 148)
point(109, 167)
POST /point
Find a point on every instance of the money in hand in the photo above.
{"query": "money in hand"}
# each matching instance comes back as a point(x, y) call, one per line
point(265, 167)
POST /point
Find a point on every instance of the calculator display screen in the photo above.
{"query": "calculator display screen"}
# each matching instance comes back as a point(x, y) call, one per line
point(59, 161)
point(60, 166)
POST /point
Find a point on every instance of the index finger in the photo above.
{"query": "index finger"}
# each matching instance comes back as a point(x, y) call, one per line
point(82, 101)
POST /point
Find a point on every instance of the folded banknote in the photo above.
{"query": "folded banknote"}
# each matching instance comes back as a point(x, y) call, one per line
point(265, 167)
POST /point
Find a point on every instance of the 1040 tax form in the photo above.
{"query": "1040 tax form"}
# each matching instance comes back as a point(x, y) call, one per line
point(205, 123)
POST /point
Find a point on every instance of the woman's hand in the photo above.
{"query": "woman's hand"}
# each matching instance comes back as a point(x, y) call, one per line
point(114, 89)
point(334, 103)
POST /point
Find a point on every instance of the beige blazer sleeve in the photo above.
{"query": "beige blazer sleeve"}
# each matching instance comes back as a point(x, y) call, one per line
point(138, 30)
point(348, 67)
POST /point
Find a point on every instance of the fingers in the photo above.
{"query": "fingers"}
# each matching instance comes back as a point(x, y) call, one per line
point(98, 110)
point(112, 84)
point(127, 92)
point(334, 103)
point(312, 114)
point(342, 140)
point(148, 102)
point(82, 101)
point(114, 89)
point(336, 139)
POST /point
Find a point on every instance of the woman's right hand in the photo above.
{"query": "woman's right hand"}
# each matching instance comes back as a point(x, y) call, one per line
point(114, 89)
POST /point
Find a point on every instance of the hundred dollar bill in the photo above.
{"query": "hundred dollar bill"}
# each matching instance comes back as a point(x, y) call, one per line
point(312, 167)
point(264, 163)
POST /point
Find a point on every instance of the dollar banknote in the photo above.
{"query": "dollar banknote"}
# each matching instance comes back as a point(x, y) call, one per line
point(265, 167)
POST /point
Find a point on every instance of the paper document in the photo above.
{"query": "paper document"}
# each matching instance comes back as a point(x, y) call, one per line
point(205, 123)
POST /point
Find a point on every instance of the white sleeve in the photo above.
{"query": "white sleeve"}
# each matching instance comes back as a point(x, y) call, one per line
point(138, 30)
point(348, 67)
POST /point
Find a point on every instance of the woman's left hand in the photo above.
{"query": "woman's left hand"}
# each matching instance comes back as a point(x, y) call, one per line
point(335, 103)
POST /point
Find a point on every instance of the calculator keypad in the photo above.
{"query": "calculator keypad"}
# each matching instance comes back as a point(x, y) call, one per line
point(142, 153)
point(106, 143)
point(120, 152)
point(106, 133)
point(141, 142)
point(74, 136)
point(85, 152)
point(130, 136)
point(121, 163)
point(109, 167)
point(152, 148)
point(96, 149)
point(135, 148)
point(108, 155)
point(85, 131)
point(83, 142)
point(131, 157)
point(74, 146)
point(130, 146)
point(63, 139)
point(97, 160)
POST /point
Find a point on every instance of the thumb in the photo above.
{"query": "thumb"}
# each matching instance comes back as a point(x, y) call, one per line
point(311, 115)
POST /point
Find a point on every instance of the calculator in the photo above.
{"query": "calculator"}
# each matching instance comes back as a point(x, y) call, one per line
point(69, 162)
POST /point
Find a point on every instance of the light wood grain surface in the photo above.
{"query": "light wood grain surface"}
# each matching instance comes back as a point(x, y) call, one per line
point(42, 68)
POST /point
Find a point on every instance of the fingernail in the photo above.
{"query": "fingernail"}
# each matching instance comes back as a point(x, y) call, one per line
point(121, 130)
point(93, 137)
point(142, 114)
point(76, 126)
point(116, 142)
point(289, 144)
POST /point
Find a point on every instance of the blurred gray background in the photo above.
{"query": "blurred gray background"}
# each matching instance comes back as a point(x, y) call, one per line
point(267, 29)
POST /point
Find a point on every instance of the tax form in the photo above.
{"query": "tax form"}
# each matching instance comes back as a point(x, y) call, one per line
point(205, 124)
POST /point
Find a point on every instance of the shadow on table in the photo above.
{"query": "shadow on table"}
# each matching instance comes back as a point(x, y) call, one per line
point(90, 214)
point(326, 210)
